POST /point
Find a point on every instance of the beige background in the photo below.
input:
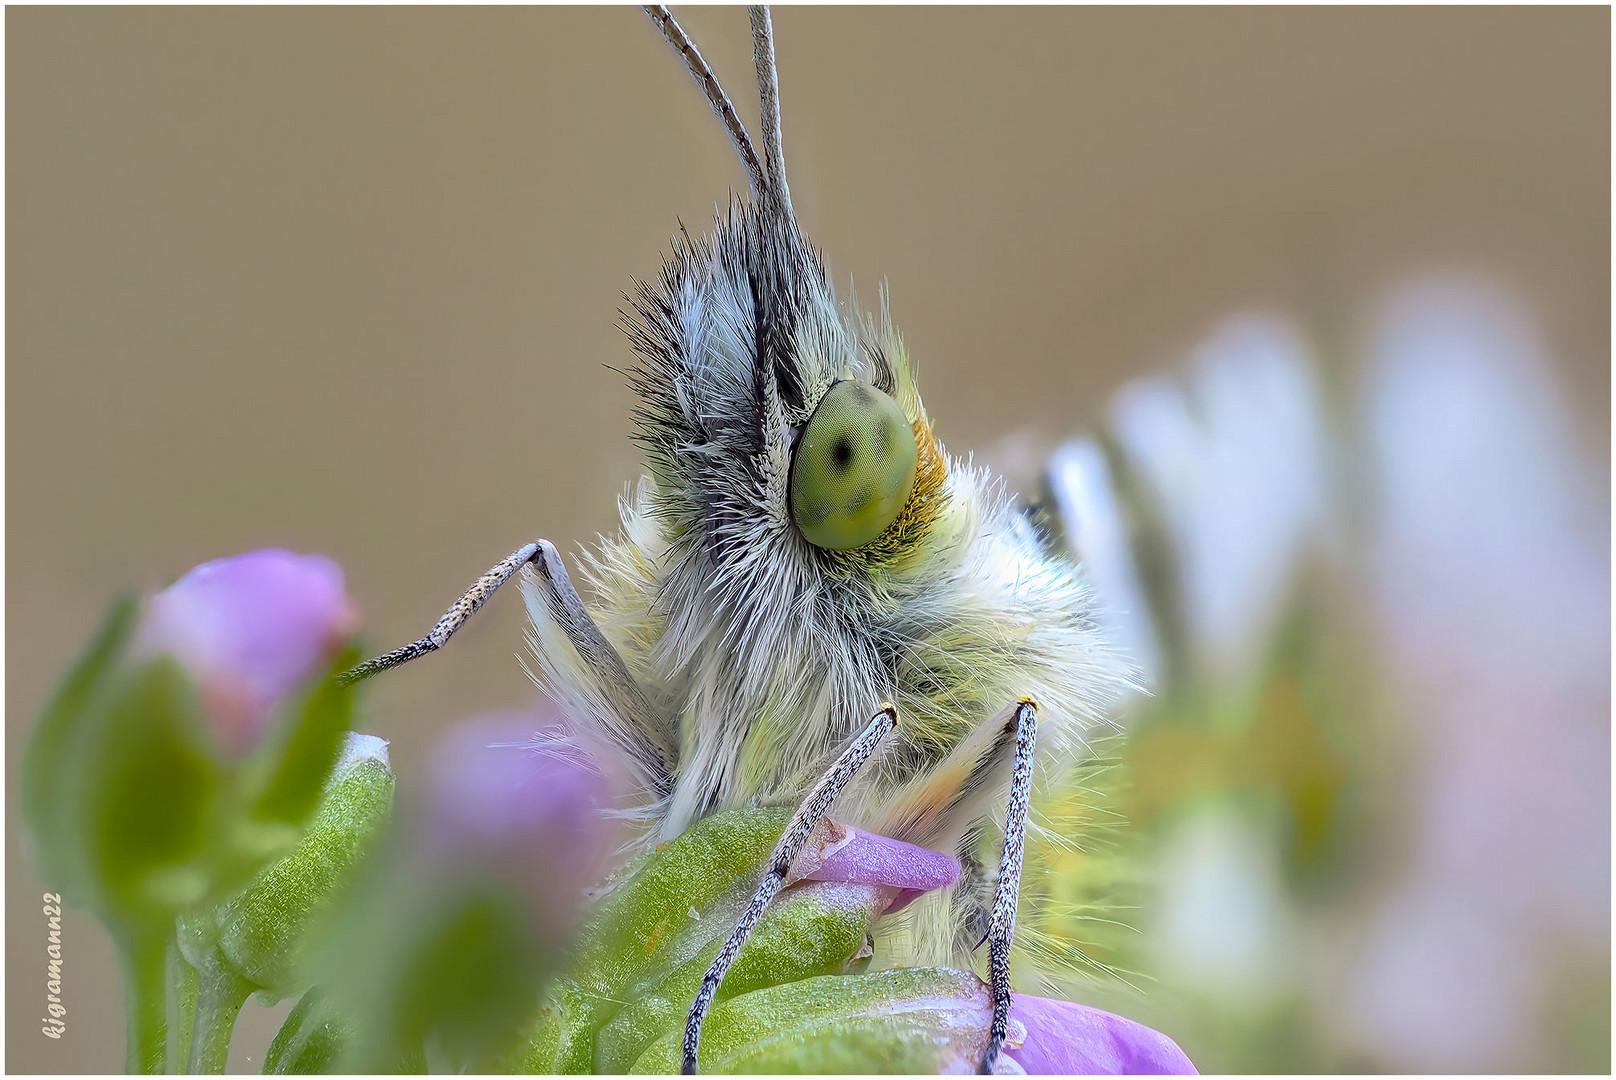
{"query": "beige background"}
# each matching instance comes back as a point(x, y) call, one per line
point(346, 280)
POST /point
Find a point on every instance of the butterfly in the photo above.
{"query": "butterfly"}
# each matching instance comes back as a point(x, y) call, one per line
point(810, 600)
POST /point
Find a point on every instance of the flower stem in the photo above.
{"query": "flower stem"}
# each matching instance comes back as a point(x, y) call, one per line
point(220, 995)
point(146, 1000)
point(182, 987)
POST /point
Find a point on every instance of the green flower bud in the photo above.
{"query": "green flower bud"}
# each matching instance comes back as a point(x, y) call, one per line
point(651, 939)
point(54, 747)
point(176, 760)
point(259, 933)
point(255, 940)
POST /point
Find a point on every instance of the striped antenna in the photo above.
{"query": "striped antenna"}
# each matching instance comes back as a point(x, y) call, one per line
point(769, 93)
point(715, 93)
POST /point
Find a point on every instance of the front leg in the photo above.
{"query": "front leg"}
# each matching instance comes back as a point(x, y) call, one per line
point(641, 735)
point(1007, 891)
point(798, 830)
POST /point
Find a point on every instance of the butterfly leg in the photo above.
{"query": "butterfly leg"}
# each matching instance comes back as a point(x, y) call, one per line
point(798, 830)
point(617, 686)
point(1007, 891)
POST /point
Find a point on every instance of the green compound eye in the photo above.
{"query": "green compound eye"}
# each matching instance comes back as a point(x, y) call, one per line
point(854, 468)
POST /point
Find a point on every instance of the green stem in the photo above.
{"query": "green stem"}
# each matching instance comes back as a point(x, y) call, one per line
point(182, 987)
point(146, 1001)
point(220, 995)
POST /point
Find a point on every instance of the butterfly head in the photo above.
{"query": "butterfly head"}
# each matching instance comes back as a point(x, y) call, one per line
point(786, 437)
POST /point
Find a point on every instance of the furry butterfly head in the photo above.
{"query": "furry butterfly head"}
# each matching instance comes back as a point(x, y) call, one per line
point(786, 438)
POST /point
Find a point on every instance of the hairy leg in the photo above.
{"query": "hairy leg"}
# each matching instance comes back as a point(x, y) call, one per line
point(618, 688)
point(798, 830)
point(1007, 891)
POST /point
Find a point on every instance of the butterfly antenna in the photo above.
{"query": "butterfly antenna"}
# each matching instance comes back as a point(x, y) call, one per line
point(716, 97)
point(769, 92)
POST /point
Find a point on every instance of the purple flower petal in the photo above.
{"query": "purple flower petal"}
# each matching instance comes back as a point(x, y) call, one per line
point(529, 808)
point(1063, 1038)
point(865, 858)
point(251, 629)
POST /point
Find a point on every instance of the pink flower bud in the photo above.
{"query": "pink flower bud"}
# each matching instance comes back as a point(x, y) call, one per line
point(251, 630)
point(528, 808)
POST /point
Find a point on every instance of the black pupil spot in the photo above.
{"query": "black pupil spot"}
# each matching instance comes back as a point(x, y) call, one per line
point(841, 453)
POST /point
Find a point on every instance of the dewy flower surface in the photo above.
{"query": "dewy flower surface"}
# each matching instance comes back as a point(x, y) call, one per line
point(251, 629)
point(1063, 1037)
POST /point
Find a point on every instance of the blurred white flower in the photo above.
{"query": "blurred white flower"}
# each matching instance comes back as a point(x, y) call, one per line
point(1097, 533)
point(1235, 462)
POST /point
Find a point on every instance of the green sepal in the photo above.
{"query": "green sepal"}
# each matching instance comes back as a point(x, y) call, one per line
point(51, 746)
point(141, 794)
point(472, 983)
point(906, 1020)
point(288, 772)
point(272, 794)
point(642, 930)
point(414, 957)
point(260, 932)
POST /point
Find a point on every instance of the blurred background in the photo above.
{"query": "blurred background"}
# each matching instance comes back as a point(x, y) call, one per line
point(1296, 321)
